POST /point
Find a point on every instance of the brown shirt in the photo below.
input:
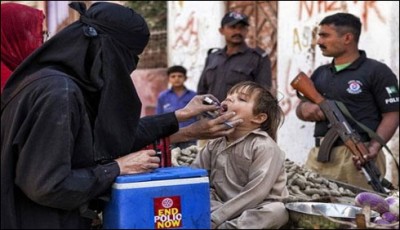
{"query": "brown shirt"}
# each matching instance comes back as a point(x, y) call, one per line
point(245, 173)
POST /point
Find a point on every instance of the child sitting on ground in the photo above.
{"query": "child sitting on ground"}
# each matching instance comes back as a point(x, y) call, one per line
point(246, 168)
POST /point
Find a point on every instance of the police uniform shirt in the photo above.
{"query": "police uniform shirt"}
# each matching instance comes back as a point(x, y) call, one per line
point(221, 71)
point(367, 87)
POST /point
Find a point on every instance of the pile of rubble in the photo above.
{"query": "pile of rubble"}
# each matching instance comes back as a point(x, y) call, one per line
point(303, 184)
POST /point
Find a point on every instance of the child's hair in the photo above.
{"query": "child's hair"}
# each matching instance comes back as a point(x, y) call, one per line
point(176, 68)
point(265, 102)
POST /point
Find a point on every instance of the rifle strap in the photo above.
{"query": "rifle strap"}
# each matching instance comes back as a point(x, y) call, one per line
point(324, 152)
point(370, 132)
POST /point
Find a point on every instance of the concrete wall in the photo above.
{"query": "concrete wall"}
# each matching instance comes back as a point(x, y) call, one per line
point(192, 30)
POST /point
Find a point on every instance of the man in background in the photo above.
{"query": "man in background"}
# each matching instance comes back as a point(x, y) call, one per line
point(235, 62)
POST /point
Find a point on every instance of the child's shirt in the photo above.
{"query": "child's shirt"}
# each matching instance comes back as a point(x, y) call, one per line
point(245, 173)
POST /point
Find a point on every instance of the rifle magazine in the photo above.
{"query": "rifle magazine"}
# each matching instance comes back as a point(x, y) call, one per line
point(324, 152)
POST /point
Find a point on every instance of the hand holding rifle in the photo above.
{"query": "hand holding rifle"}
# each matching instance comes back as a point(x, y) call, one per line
point(339, 127)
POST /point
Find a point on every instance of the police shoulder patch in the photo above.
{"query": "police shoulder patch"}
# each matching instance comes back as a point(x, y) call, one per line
point(261, 52)
point(213, 50)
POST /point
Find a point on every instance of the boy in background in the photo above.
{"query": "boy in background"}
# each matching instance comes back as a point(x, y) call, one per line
point(176, 97)
point(246, 168)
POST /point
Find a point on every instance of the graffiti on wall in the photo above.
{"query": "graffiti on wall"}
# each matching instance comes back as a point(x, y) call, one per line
point(186, 34)
point(368, 9)
point(192, 31)
point(186, 39)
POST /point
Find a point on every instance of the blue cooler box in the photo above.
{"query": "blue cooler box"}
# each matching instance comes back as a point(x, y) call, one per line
point(171, 197)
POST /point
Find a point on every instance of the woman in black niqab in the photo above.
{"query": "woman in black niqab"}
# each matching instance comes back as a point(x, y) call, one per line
point(98, 52)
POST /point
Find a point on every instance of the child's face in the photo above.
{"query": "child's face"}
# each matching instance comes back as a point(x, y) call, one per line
point(176, 79)
point(243, 103)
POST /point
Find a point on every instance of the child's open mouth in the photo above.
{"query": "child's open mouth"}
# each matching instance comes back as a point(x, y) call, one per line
point(224, 108)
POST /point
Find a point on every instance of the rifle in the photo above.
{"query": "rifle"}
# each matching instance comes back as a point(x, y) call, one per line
point(339, 127)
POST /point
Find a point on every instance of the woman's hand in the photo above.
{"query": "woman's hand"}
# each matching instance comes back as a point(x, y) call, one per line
point(138, 162)
point(196, 107)
point(207, 128)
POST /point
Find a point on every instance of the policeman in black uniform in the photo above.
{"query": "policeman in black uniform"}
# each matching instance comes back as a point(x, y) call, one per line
point(235, 62)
